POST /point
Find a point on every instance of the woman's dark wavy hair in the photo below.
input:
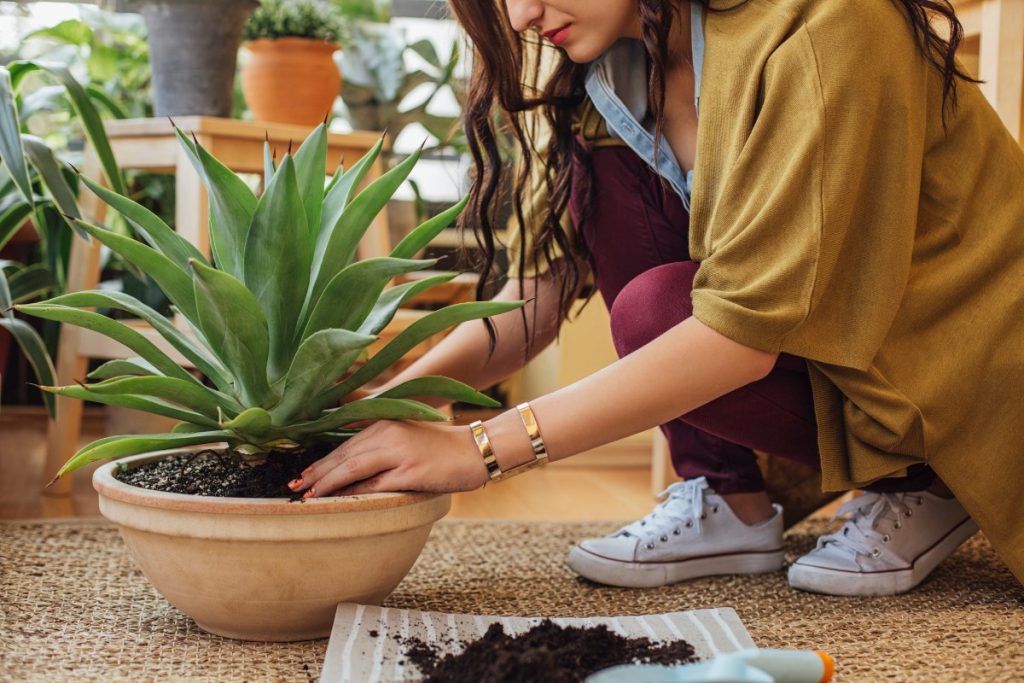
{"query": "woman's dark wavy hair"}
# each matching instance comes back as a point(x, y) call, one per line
point(505, 64)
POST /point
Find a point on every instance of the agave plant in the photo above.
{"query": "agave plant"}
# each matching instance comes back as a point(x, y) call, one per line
point(280, 319)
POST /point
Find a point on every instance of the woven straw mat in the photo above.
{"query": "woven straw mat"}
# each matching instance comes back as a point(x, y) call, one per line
point(74, 607)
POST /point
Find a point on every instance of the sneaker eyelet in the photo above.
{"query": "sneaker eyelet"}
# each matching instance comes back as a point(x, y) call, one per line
point(676, 532)
point(664, 539)
point(898, 525)
point(689, 523)
point(650, 546)
point(714, 510)
point(703, 515)
point(886, 538)
point(876, 552)
point(910, 512)
point(920, 501)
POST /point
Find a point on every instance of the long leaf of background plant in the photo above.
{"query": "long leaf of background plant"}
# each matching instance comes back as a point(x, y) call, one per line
point(11, 151)
point(87, 114)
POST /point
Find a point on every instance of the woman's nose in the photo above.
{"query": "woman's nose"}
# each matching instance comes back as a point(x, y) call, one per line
point(524, 14)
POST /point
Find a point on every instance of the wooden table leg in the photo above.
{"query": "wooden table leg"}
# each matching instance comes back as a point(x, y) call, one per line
point(83, 273)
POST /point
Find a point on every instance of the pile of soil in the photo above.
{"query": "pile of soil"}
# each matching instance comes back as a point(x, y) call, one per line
point(215, 473)
point(547, 652)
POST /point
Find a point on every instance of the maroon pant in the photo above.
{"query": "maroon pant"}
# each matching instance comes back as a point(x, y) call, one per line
point(636, 230)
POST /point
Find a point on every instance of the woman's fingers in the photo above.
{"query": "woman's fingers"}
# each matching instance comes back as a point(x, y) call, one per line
point(332, 459)
point(378, 483)
point(348, 472)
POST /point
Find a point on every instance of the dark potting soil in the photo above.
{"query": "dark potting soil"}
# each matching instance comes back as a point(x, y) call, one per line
point(547, 652)
point(215, 473)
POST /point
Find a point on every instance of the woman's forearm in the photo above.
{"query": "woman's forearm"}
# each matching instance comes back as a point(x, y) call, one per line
point(463, 353)
point(681, 370)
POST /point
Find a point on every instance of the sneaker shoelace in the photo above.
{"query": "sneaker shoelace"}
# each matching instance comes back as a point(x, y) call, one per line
point(860, 534)
point(684, 507)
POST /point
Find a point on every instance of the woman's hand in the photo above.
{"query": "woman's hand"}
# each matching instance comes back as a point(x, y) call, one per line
point(398, 455)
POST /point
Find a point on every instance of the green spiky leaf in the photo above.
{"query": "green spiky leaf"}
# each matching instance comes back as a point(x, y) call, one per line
point(110, 328)
point(369, 409)
point(277, 260)
point(390, 301)
point(441, 387)
point(123, 367)
point(110, 299)
point(149, 226)
point(319, 362)
point(252, 421)
point(343, 238)
point(420, 330)
point(173, 281)
point(232, 205)
point(353, 292)
point(143, 403)
point(121, 446)
point(310, 169)
point(421, 236)
point(233, 323)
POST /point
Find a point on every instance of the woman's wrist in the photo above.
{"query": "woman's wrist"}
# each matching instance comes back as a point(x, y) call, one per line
point(509, 439)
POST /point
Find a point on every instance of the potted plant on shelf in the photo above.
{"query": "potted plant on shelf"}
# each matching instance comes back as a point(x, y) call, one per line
point(290, 75)
point(193, 47)
point(280, 320)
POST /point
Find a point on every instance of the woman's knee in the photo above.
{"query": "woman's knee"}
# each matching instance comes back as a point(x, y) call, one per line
point(652, 303)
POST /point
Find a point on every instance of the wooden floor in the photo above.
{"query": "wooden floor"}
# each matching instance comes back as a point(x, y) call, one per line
point(558, 492)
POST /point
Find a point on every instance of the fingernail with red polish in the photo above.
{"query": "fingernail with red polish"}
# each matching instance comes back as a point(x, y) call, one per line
point(295, 483)
point(310, 493)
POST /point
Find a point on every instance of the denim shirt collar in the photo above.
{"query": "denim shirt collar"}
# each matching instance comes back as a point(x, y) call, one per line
point(617, 85)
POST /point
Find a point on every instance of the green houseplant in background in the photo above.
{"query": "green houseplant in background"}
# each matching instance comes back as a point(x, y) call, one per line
point(290, 75)
point(378, 86)
point(18, 284)
point(280, 320)
point(108, 54)
point(38, 186)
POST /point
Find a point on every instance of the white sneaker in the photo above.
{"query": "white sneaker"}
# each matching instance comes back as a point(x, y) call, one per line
point(891, 543)
point(693, 533)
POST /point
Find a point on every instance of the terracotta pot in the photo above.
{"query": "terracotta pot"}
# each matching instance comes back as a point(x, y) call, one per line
point(290, 80)
point(268, 569)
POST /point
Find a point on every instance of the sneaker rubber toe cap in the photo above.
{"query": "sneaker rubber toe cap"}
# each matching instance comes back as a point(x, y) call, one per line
point(620, 548)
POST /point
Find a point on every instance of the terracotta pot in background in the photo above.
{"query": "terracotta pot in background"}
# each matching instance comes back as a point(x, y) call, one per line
point(267, 568)
point(290, 80)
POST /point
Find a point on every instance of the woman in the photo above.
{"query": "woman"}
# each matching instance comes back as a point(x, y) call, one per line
point(835, 277)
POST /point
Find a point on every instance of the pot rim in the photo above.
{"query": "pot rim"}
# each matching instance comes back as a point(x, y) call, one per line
point(292, 41)
point(107, 485)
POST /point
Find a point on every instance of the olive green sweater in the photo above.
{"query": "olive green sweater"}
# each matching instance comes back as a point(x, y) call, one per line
point(834, 219)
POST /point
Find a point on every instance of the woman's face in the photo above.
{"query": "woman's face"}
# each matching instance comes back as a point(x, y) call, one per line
point(583, 28)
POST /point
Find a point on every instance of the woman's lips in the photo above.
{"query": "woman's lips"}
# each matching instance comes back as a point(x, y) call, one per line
point(559, 35)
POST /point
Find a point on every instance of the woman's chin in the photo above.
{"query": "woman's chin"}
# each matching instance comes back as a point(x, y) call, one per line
point(582, 54)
